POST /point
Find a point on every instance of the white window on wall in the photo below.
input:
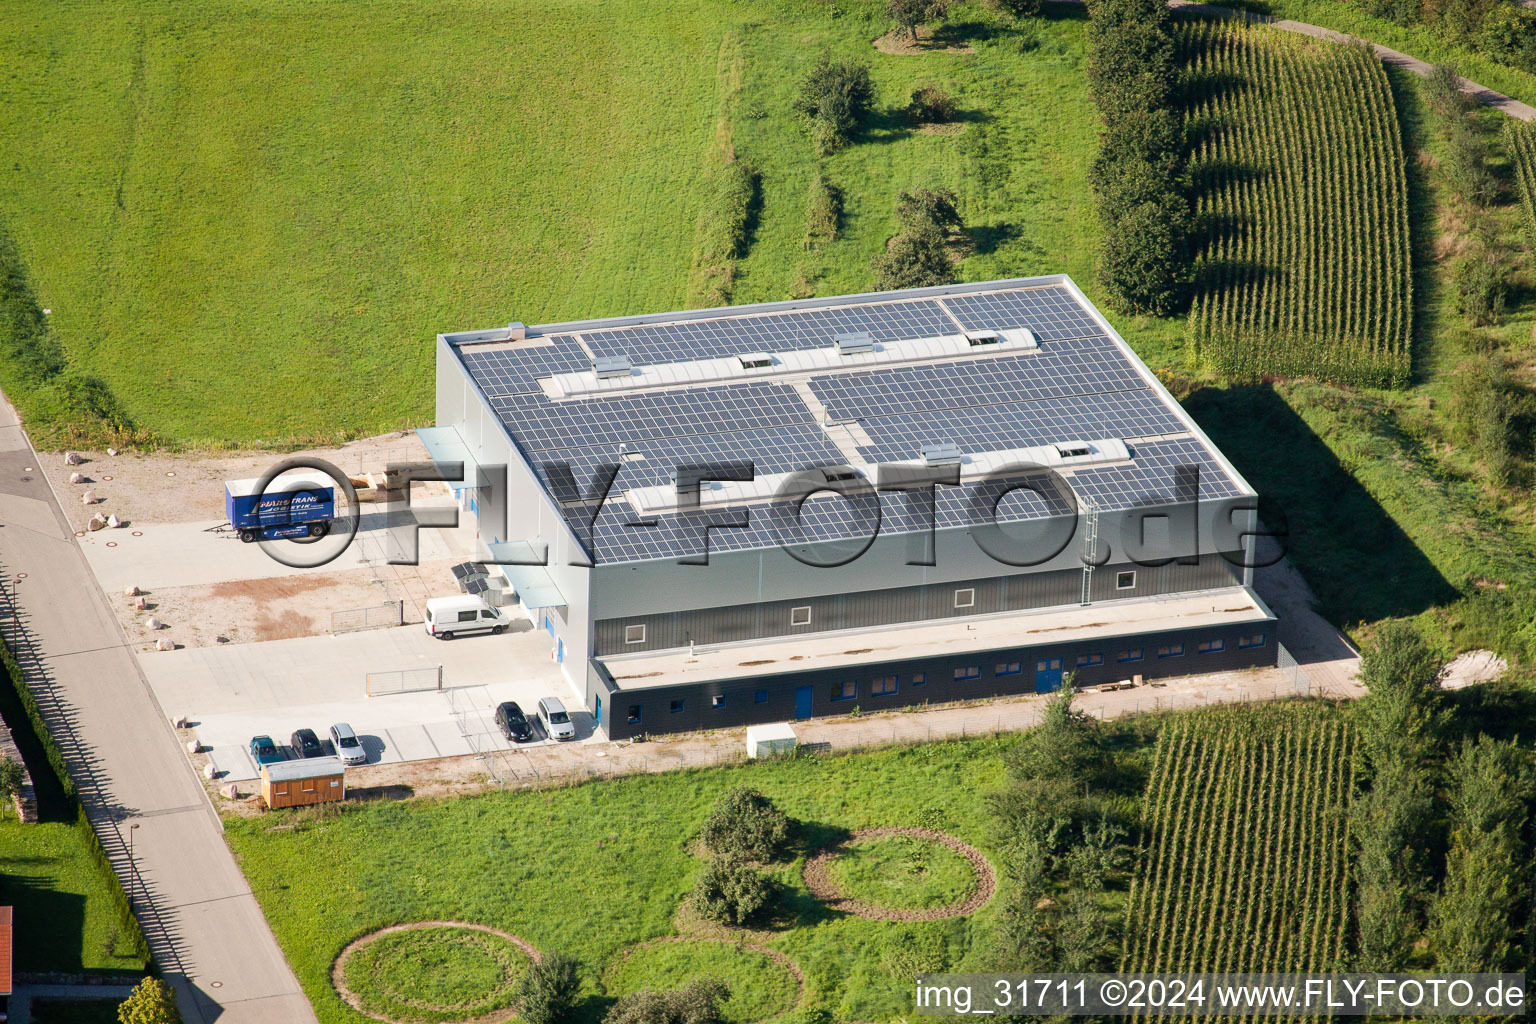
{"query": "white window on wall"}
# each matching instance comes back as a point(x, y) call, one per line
point(1125, 581)
point(800, 616)
point(965, 598)
point(634, 634)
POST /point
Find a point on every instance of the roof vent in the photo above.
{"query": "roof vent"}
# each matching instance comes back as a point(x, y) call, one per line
point(755, 360)
point(1074, 449)
point(854, 341)
point(979, 338)
point(946, 454)
point(608, 367)
point(839, 474)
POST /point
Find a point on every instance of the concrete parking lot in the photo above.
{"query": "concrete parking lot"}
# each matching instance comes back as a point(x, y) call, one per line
point(235, 691)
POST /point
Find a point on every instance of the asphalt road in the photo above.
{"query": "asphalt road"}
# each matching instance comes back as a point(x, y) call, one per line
point(202, 921)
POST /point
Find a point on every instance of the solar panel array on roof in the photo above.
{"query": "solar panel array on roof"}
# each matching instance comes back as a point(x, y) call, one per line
point(1078, 385)
point(781, 332)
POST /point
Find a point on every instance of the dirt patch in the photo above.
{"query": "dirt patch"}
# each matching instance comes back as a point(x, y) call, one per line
point(819, 880)
point(278, 608)
point(1472, 668)
point(750, 664)
point(859, 650)
point(338, 967)
point(188, 486)
point(901, 44)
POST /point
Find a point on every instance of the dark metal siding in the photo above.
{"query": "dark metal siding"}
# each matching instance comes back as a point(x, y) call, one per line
point(741, 707)
point(907, 604)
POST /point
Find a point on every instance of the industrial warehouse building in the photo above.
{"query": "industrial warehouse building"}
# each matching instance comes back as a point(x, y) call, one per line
point(1005, 496)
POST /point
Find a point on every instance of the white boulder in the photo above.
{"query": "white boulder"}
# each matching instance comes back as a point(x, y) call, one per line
point(164, 645)
point(111, 451)
point(154, 623)
point(72, 459)
point(77, 478)
point(89, 498)
point(113, 521)
point(139, 604)
point(97, 522)
point(132, 591)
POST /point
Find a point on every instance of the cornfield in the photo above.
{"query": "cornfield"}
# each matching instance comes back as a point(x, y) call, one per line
point(1522, 153)
point(1242, 865)
point(1299, 193)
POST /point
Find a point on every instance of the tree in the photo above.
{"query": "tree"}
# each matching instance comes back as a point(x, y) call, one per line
point(1482, 413)
point(1064, 746)
point(908, 14)
point(546, 992)
point(731, 891)
point(931, 105)
point(697, 1003)
point(12, 778)
point(153, 1002)
point(1020, 8)
point(836, 96)
point(1142, 262)
point(745, 824)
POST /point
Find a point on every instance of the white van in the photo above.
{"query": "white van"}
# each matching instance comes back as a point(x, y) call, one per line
point(448, 617)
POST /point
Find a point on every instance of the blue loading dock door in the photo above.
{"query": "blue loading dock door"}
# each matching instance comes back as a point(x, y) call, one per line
point(1047, 675)
point(802, 702)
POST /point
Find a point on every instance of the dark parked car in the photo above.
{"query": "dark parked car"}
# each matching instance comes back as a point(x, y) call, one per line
point(514, 724)
point(306, 744)
point(264, 751)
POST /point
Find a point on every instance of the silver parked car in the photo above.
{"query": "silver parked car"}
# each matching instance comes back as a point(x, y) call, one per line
point(556, 722)
point(347, 745)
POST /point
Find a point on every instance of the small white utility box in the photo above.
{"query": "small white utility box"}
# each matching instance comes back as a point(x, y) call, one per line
point(775, 740)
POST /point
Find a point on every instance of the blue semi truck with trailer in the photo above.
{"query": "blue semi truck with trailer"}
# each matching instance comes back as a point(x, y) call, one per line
point(291, 505)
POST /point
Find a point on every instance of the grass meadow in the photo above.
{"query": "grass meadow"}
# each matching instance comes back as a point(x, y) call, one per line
point(65, 919)
point(596, 869)
point(250, 217)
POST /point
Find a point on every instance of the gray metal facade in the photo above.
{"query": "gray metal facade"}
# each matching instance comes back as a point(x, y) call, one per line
point(737, 622)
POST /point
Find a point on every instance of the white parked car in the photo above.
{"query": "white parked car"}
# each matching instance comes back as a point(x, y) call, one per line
point(448, 617)
point(556, 722)
point(348, 747)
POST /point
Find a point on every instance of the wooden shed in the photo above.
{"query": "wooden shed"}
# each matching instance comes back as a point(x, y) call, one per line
point(312, 780)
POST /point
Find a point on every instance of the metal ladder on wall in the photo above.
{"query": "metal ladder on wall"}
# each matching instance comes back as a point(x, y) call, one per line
point(1090, 546)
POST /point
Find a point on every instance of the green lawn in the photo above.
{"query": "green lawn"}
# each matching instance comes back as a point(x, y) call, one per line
point(596, 869)
point(760, 987)
point(435, 974)
point(251, 216)
point(902, 872)
point(64, 912)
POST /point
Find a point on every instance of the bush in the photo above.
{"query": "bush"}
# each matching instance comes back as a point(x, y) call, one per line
point(731, 891)
point(697, 1003)
point(720, 234)
point(836, 97)
point(823, 213)
point(931, 105)
point(1019, 8)
point(908, 14)
point(1481, 288)
point(546, 991)
point(1483, 408)
point(745, 824)
point(152, 1002)
point(924, 206)
point(916, 258)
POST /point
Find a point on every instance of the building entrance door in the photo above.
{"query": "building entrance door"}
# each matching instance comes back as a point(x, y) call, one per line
point(802, 702)
point(1047, 675)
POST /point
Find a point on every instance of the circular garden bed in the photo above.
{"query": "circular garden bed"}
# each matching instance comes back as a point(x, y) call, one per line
point(901, 874)
point(763, 981)
point(433, 972)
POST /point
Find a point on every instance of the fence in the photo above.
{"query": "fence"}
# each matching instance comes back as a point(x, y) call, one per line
point(409, 680)
point(1301, 683)
point(378, 616)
